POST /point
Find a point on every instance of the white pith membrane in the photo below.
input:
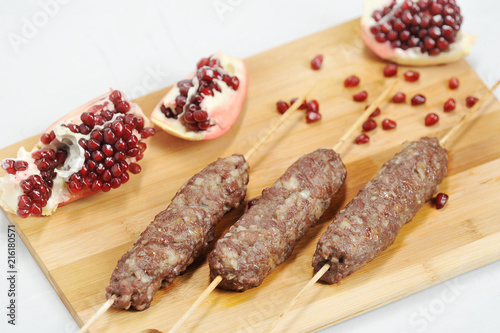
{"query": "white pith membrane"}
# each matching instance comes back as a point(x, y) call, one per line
point(412, 56)
point(216, 105)
point(75, 159)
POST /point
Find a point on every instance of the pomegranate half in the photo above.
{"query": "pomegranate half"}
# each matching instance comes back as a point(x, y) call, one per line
point(416, 33)
point(91, 149)
point(207, 103)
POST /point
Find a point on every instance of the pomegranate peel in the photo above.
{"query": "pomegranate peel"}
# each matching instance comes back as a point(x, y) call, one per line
point(207, 103)
point(413, 53)
point(61, 167)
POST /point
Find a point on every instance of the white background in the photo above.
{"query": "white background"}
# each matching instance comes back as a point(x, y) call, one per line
point(55, 57)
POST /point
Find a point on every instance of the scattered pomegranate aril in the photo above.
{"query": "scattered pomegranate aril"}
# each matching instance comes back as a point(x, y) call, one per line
point(351, 81)
point(453, 83)
point(282, 106)
point(360, 97)
point(431, 119)
point(470, 101)
point(312, 106)
point(369, 125)
point(388, 124)
point(390, 70)
point(361, 139)
point(449, 105)
point(411, 76)
point(418, 99)
point(441, 200)
point(302, 106)
point(316, 62)
point(218, 88)
point(312, 117)
point(375, 112)
point(399, 98)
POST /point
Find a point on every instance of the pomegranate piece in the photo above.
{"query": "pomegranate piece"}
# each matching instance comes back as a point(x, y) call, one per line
point(453, 83)
point(388, 124)
point(431, 119)
point(361, 139)
point(360, 97)
point(418, 99)
point(312, 117)
point(399, 98)
point(390, 70)
point(76, 156)
point(218, 87)
point(420, 33)
point(312, 106)
point(369, 125)
point(411, 76)
point(351, 81)
point(316, 62)
point(449, 105)
point(441, 200)
point(470, 101)
point(281, 107)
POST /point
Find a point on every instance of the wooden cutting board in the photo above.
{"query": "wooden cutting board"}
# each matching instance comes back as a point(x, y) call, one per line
point(78, 247)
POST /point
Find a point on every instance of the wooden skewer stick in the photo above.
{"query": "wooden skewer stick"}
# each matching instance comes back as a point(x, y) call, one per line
point(291, 110)
point(326, 267)
point(99, 312)
point(363, 117)
point(466, 118)
point(198, 301)
point(218, 279)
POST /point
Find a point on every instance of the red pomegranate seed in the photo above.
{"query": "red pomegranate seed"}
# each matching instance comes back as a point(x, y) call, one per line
point(390, 70)
point(134, 168)
point(88, 118)
point(449, 105)
point(36, 210)
point(351, 81)
point(281, 106)
point(115, 97)
point(312, 117)
point(441, 200)
point(45, 138)
point(96, 185)
point(8, 165)
point(411, 76)
point(312, 106)
point(470, 101)
point(24, 202)
point(20, 165)
point(388, 124)
point(375, 113)
point(302, 106)
point(123, 107)
point(23, 213)
point(453, 83)
point(431, 119)
point(203, 62)
point(360, 97)
point(317, 62)
point(149, 131)
point(106, 187)
point(363, 138)
point(115, 182)
point(418, 100)
point(399, 98)
point(369, 125)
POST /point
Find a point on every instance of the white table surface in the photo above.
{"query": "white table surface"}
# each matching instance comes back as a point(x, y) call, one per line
point(57, 54)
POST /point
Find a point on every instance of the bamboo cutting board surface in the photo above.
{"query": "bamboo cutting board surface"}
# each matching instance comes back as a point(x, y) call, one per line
point(78, 247)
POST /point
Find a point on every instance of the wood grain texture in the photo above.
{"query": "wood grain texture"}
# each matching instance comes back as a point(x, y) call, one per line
point(78, 247)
